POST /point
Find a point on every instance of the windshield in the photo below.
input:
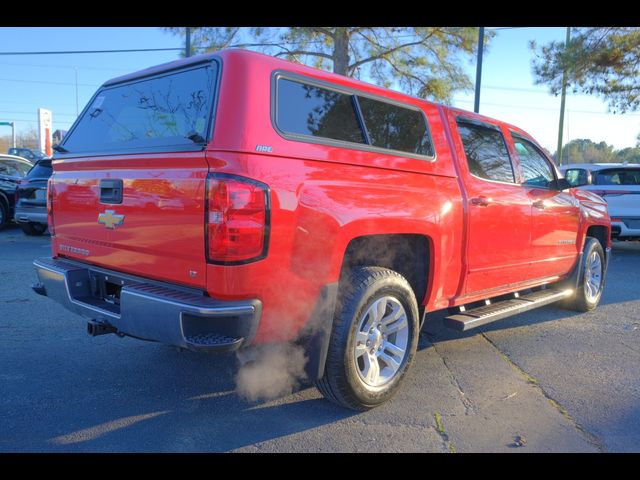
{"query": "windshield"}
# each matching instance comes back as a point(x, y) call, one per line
point(618, 176)
point(169, 110)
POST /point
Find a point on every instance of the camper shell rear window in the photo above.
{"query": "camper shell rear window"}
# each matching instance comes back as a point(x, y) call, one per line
point(170, 111)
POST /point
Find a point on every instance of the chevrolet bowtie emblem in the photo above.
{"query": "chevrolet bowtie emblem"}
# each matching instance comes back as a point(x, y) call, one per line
point(110, 219)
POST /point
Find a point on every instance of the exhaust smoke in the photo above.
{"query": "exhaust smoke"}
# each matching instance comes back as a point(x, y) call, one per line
point(270, 371)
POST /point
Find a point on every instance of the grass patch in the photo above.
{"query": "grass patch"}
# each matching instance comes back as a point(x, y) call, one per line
point(438, 418)
point(527, 377)
point(560, 408)
point(443, 434)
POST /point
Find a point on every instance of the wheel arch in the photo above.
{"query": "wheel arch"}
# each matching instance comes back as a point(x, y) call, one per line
point(409, 254)
point(600, 233)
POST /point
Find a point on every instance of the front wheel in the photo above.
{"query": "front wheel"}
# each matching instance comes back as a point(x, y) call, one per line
point(591, 282)
point(373, 340)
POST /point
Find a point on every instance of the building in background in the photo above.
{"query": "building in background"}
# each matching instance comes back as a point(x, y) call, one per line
point(58, 135)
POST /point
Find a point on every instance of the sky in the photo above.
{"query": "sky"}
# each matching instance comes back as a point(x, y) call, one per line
point(65, 83)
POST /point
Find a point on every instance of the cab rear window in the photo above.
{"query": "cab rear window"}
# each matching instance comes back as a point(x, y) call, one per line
point(170, 110)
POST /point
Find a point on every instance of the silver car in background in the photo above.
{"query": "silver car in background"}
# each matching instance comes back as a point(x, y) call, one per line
point(619, 185)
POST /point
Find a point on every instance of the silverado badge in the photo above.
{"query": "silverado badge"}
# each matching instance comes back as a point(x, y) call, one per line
point(110, 219)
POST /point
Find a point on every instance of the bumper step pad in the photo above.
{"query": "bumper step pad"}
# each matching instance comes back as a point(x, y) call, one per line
point(213, 341)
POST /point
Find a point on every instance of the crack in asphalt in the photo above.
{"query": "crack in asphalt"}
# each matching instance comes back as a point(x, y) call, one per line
point(588, 436)
point(469, 408)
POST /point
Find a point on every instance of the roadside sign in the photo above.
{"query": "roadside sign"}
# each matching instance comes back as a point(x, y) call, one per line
point(13, 131)
point(45, 130)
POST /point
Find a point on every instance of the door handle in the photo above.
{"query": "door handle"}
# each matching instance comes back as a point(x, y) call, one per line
point(539, 204)
point(480, 201)
point(111, 191)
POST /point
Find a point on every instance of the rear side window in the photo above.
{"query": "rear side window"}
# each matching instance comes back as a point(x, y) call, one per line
point(165, 111)
point(395, 127)
point(309, 110)
point(618, 176)
point(486, 152)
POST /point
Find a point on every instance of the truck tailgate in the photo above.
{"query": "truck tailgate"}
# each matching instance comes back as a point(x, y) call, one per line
point(155, 231)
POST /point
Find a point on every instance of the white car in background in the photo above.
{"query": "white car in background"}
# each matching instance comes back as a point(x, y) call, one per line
point(619, 185)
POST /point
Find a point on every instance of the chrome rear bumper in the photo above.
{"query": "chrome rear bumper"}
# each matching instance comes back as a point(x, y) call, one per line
point(150, 311)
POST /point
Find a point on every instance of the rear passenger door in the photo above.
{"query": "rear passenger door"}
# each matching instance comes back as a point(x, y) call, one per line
point(499, 220)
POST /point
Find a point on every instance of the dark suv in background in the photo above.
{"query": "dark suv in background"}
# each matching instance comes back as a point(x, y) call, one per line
point(12, 170)
point(28, 153)
point(31, 199)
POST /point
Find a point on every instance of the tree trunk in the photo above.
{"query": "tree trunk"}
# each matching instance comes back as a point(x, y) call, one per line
point(341, 51)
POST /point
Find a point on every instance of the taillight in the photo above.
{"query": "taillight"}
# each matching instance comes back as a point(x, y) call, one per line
point(50, 206)
point(237, 219)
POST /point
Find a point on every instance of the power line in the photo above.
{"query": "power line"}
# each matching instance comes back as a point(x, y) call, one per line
point(31, 65)
point(35, 121)
point(45, 82)
point(515, 89)
point(31, 103)
point(180, 49)
point(530, 107)
point(28, 113)
point(69, 52)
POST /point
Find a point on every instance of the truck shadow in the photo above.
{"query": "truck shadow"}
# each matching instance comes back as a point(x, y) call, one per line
point(185, 402)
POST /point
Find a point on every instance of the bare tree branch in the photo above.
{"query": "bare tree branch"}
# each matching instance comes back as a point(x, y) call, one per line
point(304, 52)
point(382, 54)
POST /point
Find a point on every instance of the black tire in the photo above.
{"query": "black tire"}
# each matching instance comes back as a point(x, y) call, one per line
point(582, 301)
point(4, 215)
point(360, 288)
point(33, 228)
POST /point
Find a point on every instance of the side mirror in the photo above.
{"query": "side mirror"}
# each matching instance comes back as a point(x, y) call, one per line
point(563, 184)
point(577, 177)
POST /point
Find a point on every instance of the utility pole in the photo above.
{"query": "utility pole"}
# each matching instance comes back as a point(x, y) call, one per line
point(562, 102)
point(476, 102)
point(187, 43)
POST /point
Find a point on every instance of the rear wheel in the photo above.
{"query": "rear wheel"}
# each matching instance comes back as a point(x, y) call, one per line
point(591, 281)
point(373, 341)
point(33, 228)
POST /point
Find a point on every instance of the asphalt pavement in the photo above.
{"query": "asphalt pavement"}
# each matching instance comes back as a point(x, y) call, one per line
point(549, 380)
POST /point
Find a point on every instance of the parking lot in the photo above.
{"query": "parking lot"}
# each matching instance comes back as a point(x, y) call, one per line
point(545, 381)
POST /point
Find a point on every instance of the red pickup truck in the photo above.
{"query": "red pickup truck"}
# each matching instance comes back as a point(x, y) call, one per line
point(235, 199)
